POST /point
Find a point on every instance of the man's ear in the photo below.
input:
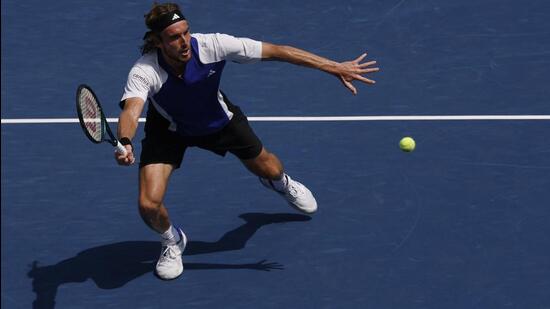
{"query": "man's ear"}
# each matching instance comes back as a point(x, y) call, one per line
point(156, 40)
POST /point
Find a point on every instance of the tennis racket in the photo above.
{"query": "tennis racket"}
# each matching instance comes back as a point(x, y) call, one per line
point(93, 120)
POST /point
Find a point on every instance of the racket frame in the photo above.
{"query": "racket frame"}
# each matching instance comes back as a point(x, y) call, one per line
point(103, 122)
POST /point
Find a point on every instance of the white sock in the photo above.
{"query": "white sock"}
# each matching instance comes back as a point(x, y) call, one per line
point(281, 184)
point(170, 237)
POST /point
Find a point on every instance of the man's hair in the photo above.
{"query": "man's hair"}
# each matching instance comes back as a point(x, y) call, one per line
point(151, 38)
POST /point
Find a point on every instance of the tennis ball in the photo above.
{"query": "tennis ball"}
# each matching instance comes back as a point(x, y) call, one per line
point(407, 144)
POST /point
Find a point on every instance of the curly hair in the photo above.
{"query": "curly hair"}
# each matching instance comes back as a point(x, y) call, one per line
point(151, 38)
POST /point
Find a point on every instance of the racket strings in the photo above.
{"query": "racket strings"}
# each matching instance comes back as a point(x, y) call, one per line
point(91, 114)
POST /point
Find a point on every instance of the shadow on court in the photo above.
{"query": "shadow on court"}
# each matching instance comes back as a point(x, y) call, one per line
point(112, 266)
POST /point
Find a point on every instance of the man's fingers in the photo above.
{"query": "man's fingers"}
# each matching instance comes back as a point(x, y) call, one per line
point(367, 64)
point(360, 58)
point(127, 159)
point(369, 70)
point(349, 85)
point(364, 79)
point(354, 70)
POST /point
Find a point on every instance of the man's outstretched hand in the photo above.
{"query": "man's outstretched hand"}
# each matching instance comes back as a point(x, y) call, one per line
point(349, 71)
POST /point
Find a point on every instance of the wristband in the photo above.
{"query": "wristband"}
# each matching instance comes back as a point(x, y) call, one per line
point(126, 141)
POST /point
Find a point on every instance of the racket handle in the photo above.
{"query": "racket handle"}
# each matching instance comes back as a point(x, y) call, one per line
point(120, 148)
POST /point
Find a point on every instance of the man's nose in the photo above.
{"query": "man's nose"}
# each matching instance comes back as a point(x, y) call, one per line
point(183, 39)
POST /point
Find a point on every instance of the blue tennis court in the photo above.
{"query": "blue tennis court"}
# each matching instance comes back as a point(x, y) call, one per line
point(461, 222)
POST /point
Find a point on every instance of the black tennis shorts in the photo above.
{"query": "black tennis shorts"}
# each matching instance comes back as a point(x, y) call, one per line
point(161, 145)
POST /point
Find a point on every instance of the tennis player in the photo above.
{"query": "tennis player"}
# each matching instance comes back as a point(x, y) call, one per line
point(179, 74)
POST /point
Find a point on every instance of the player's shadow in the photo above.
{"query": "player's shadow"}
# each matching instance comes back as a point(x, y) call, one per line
point(112, 266)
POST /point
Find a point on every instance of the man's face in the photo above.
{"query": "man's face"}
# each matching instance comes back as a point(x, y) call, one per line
point(176, 42)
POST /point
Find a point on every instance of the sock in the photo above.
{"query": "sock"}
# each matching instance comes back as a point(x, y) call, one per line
point(281, 184)
point(170, 237)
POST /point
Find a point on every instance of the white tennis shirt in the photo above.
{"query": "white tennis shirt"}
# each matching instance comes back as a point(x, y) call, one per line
point(193, 103)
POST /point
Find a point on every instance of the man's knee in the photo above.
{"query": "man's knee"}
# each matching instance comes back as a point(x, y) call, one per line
point(149, 206)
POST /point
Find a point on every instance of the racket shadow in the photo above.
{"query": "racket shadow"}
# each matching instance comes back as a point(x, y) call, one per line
point(114, 265)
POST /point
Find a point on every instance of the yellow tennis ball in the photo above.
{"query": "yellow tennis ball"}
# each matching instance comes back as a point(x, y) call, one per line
point(407, 144)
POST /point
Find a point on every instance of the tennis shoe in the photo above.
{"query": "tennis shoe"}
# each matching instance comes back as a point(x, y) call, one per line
point(296, 194)
point(170, 264)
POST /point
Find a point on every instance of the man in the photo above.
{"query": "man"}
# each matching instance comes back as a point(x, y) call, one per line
point(179, 74)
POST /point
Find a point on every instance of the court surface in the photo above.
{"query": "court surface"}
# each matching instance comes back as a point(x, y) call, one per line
point(462, 222)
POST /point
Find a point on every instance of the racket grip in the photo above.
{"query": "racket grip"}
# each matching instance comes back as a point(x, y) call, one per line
point(120, 148)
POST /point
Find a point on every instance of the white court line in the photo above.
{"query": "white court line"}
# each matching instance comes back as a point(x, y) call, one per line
point(320, 118)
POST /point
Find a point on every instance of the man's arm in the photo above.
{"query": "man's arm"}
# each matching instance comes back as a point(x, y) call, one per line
point(128, 122)
point(346, 72)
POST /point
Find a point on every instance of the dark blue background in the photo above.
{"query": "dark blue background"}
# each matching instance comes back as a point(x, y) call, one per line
point(459, 223)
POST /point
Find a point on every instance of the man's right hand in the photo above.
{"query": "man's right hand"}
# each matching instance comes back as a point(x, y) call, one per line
point(127, 159)
point(127, 125)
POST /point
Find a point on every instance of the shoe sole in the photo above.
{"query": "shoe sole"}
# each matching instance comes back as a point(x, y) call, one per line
point(167, 279)
point(307, 212)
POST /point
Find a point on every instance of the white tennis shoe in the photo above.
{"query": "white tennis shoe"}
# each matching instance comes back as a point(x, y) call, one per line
point(170, 264)
point(296, 194)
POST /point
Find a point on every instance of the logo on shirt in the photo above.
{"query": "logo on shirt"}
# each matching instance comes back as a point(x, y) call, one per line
point(142, 79)
point(211, 72)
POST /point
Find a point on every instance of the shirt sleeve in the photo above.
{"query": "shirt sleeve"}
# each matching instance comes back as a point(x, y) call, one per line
point(241, 50)
point(138, 85)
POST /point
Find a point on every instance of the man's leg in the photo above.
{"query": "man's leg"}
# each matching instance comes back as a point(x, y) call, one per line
point(153, 181)
point(270, 170)
point(265, 165)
